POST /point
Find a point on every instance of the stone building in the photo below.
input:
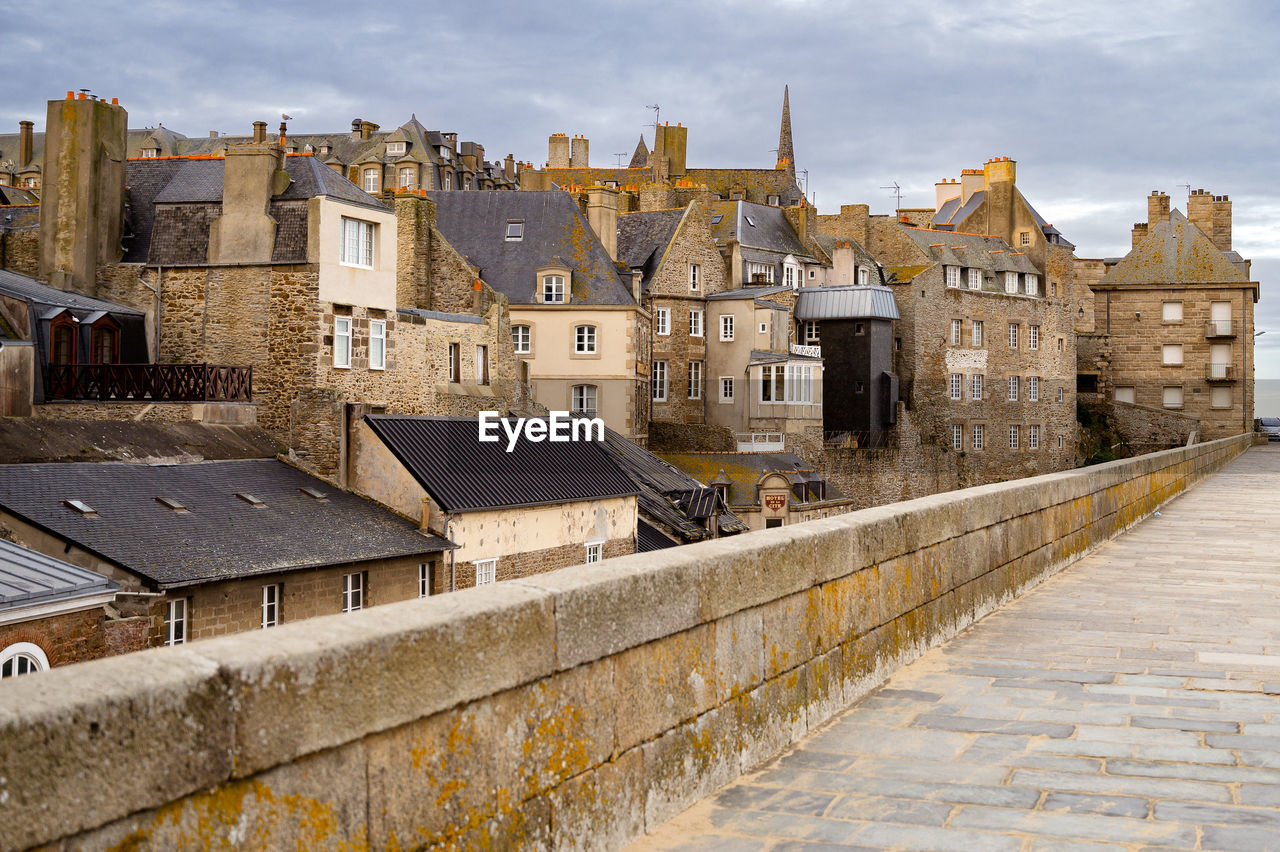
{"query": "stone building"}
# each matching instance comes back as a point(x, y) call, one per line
point(985, 348)
point(205, 549)
point(407, 157)
point(576, 318)
point(53, 613)
point(1173, 320)
point(515, 510)
point(765, 490)
point(660, 177)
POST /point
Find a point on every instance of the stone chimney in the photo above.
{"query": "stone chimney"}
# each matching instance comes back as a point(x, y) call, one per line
point(602, 213)
point(944, 190)
point(82, 191)
point(578, 159)
point(259, 133)
point(509, 167)
point(1222, 223)
point(415, 219)
point(670, 144)
point(24, 143)
point(557, 151)
point(367, 128)
point(355, 126)
point(999, 175)
point(1157, 208)
point(245, 232)
point(1139, 233)
point(971, 180)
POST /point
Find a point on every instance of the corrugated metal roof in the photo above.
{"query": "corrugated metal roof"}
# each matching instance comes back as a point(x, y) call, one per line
point(846, 302)
point(221, 536)
point(649, 539)
point(463, 474)
point(28, 578)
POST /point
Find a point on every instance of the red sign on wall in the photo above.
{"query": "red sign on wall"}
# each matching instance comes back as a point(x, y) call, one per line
point(775, 502)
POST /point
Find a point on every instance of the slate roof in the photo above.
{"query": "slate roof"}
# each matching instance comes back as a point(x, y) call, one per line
point(744, 471)
point(30, 290)
point(441, 315)
point(864, 258)
point(28, 578)
point(845, 302)
point(667, 494)
point(462, 474)
point(475, 224)
point(221, 537)
point(990, 254)
point(20, 217)
point(750, 293)
point(643, 239)
point(952, 213)
point(17, 195)
point(1175, 251)
point(768, 230)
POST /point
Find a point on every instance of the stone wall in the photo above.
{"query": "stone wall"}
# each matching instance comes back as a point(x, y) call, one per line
point(578, 707)
point(1140, 428)
point(691, 438)
point(20, 251)
point(518, 565)
point(75, 637)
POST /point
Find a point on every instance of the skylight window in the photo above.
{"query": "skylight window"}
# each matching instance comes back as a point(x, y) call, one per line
point(715, 220)
point(81, 507)
point(314, 493)
point(251, 500)
point(750, 221)
point(170, 503)
point(515, 230)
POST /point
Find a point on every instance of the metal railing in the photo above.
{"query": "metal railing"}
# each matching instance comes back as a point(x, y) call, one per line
point(1220, 328)
point(149, 382)
point(760, 442)
point(1220, 372)
point(808, 351)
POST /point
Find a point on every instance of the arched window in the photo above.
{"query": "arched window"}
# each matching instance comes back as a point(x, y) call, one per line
point(105, 342)
point(23, 658)
point(62, 340)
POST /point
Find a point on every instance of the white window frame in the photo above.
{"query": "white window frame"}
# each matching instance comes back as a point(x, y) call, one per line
point(975, 278)
point(271, 594)
point(1015, 434)
point(406, 178)
point(595, 552)
point(662, 322)
point(955, 386)
point(1033, 337)
point(522, 343)
point(864, 276)
point(957, 436)
point(695, 323)
point(726, 389)
point(580, 396)
point(584, 340)
point(1060, 394)
point(1059, 442)
point(424, 579)
point(1033, 388)
point(482, 364)
point(357, 243)
point(486, 572)
point(975, 331)
point(957, 332)
point(342, 343)
point(1031, 284)
point(377, 344)
point(765, 269)
point(552, 290)
point(696, 370)
point(661, 381)
point(515, 230)
point(1015, 388)
point(177, 617)
point(975, 387)
point(726, 327)
point(30, 651)
point(795, 381)
point(370, 178)
point(1011, 282)
point(353, 591)
point(977, 434)
point(694, 283)
point(1013, 335)
point(811, 333)
point(455, 362)
point(953, 277)
point(1033, 437)
point(395, 149)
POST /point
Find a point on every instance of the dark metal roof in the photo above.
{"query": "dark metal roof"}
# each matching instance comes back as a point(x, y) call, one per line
point(463, 474)
point(649, 538)
point(744, 471)
point(221, 537)
point(845, 302)
point(475, 223)
point(28, 578)
point(749, 293)
point(31, 290)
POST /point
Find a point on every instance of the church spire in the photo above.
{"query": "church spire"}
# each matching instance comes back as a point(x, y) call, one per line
point(786, 154)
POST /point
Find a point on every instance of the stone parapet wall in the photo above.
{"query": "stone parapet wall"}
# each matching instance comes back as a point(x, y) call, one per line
point(579, 707)
point(1142, 428)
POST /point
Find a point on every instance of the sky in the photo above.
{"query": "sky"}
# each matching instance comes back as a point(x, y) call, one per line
point(1098, 102)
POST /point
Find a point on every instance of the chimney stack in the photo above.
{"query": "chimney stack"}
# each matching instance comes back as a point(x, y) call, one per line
point(1157, 208)
point(1222, 223)
point(971, 180)
point(366, 129)
point(578, 159)
point(943, 190)
point(355, 126)
point(24, 143)
point(1200, 211)
point(259, 132)
point(245, 232)
point(1139, 233)
point(557, 151)
point(509, 167)
point(213, 134)
point(602, 213)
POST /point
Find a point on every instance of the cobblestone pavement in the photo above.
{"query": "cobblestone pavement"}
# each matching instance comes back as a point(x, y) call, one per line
point(1130, 702)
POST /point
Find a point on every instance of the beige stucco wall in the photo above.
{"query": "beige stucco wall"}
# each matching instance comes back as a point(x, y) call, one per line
point(488, 535)
point(352, 285)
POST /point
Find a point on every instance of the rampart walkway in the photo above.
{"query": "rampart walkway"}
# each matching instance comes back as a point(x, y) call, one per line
point(1130, 702)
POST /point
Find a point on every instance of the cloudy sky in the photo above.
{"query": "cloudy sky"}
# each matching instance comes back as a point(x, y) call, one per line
point(1099, 103)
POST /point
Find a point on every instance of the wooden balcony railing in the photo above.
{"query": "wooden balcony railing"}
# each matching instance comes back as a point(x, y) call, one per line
point(149, 382)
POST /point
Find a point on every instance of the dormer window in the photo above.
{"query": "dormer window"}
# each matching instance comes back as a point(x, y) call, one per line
point(515, 230)
point(444, 152)
point(150, 153)
point(324, 149)
point(105, 342)
point(395, 149)
point(553, 290)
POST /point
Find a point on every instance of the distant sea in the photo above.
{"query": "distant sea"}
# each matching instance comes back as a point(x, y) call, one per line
point(1267, 397)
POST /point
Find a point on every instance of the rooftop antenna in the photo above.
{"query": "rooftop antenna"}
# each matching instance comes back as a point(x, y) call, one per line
point(1187, 187)
point(620, 156)
point(657, 110)
point(897, 192)
point(805, 172)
